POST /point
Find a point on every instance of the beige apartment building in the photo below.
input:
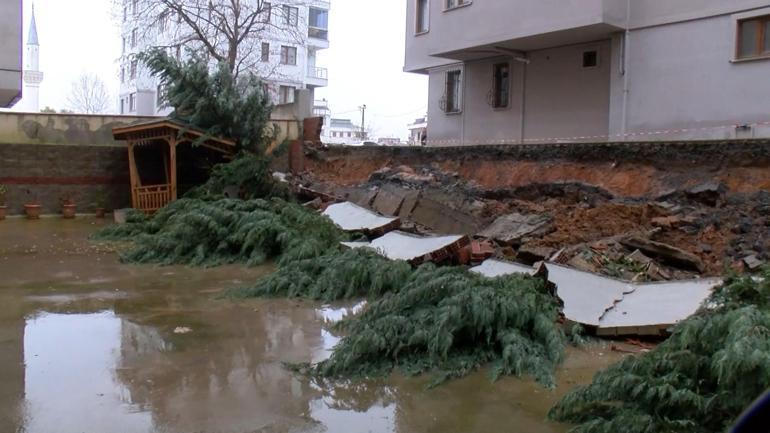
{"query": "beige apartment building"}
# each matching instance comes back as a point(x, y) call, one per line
point(529, 71)
point(10, 52)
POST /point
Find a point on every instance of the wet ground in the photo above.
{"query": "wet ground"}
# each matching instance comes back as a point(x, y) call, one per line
point(88, 344)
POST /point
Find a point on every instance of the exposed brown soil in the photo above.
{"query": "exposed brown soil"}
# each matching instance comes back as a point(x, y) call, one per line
point(706, 201)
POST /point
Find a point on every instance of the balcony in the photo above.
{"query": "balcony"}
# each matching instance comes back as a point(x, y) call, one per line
point(523, 25)
point(318, 27)
point(317, 77)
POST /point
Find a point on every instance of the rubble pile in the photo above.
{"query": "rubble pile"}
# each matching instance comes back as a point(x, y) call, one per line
point(702, 230)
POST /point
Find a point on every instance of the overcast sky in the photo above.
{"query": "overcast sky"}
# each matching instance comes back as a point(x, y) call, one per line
point(365, 59)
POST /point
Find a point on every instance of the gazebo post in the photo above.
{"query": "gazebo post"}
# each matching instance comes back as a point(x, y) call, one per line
point(132, 172)
point(172, 165)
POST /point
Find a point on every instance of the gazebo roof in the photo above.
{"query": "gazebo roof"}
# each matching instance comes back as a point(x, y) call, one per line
point(146, 132)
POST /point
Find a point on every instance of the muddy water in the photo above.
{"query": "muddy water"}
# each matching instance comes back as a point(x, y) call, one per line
point(91, 345)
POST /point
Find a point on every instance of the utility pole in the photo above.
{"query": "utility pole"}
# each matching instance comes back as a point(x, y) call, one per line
point(363, 121)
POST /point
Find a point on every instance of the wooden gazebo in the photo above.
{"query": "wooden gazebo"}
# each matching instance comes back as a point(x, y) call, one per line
point(157, 187)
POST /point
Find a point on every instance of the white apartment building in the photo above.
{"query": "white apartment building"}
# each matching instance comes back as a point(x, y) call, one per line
point(553, 71)
point(10, 52)
point(286, 57)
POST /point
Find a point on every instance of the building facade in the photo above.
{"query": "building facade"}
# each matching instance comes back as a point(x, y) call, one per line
point(418, 132)
point(10, 52)
point(285, 57)
point(344, 132)
point(521, 71)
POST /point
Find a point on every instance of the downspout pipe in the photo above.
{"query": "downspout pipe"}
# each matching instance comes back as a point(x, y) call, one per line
point(625, 72)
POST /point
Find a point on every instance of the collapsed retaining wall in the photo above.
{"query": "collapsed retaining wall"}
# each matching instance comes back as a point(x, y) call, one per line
point(624, 169)
point(46, 157)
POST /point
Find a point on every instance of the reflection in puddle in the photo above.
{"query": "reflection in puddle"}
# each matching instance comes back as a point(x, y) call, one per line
point(70, 379)
point(330, 315)
point(377, 419)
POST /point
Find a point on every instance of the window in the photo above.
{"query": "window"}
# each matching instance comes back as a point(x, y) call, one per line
point(132, 102)
point(265, 52)
point(288, 55)
point(133, 69)
point(122, 106)
point(290, 16)
point(286, 95)
point(125, 16)
point(754, 37)
point(502, 85)
point(423, 17)
point(318, 24)
point(265, 89)
point(267, 12)
point(451, 4)
point(122, 74)
point(452, 97)
point(123, 50)
point(133, 38)
point(134, 7)
point(590, 59)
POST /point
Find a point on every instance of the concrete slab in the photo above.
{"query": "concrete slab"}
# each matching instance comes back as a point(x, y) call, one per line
point(411, 248)
point(615, 307)
point(655, 306)
point(389, 200)
point(442, 218)
point(586, 296)
point(353, 218)
point(497, 268)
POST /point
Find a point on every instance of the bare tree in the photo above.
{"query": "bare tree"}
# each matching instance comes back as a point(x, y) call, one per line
point(89, 95)
point(226, 31)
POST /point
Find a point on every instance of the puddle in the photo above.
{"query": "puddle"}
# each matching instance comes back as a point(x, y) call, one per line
point(70, 369)
point(99, 353)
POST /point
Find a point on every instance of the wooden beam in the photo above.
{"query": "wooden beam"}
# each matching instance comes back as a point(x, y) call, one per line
point(132, 173)
point(172, 166)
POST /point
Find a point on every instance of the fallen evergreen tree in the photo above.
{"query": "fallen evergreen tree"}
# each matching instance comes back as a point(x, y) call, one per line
point(210, 233)
point(444, 320)
point(699, 380)
point(352, 274)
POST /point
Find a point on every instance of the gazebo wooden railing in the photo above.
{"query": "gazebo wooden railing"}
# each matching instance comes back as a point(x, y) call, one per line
point(150, 198)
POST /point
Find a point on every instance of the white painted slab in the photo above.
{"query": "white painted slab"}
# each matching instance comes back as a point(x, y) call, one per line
point(586, 296)
point(615, 306)
point(659, 304)
point(351, 217)
point(496, 268)
point(406, 246)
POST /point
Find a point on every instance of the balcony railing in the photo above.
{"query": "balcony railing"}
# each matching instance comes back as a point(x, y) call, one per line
point(319, 73)
point(318, 33)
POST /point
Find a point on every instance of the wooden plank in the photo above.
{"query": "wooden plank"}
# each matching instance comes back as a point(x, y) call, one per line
point(132, 174)
point(172, 168)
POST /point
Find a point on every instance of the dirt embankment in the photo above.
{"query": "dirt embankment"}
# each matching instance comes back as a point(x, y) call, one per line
point(578, 204)
point(625, 170)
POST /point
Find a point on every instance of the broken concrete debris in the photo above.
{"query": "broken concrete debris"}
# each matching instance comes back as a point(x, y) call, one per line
point(513, 228)
point(436, 194)
point(753, 263)
point(353, 218)
point(413, 248)
point(666, 253)
point(615, 307)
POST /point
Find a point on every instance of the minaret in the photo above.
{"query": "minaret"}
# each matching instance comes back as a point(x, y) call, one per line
point(32, 75)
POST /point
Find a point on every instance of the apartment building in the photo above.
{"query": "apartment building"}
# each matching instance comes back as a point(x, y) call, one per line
point(526, 71)
point(10, 52)
point(285, 58)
